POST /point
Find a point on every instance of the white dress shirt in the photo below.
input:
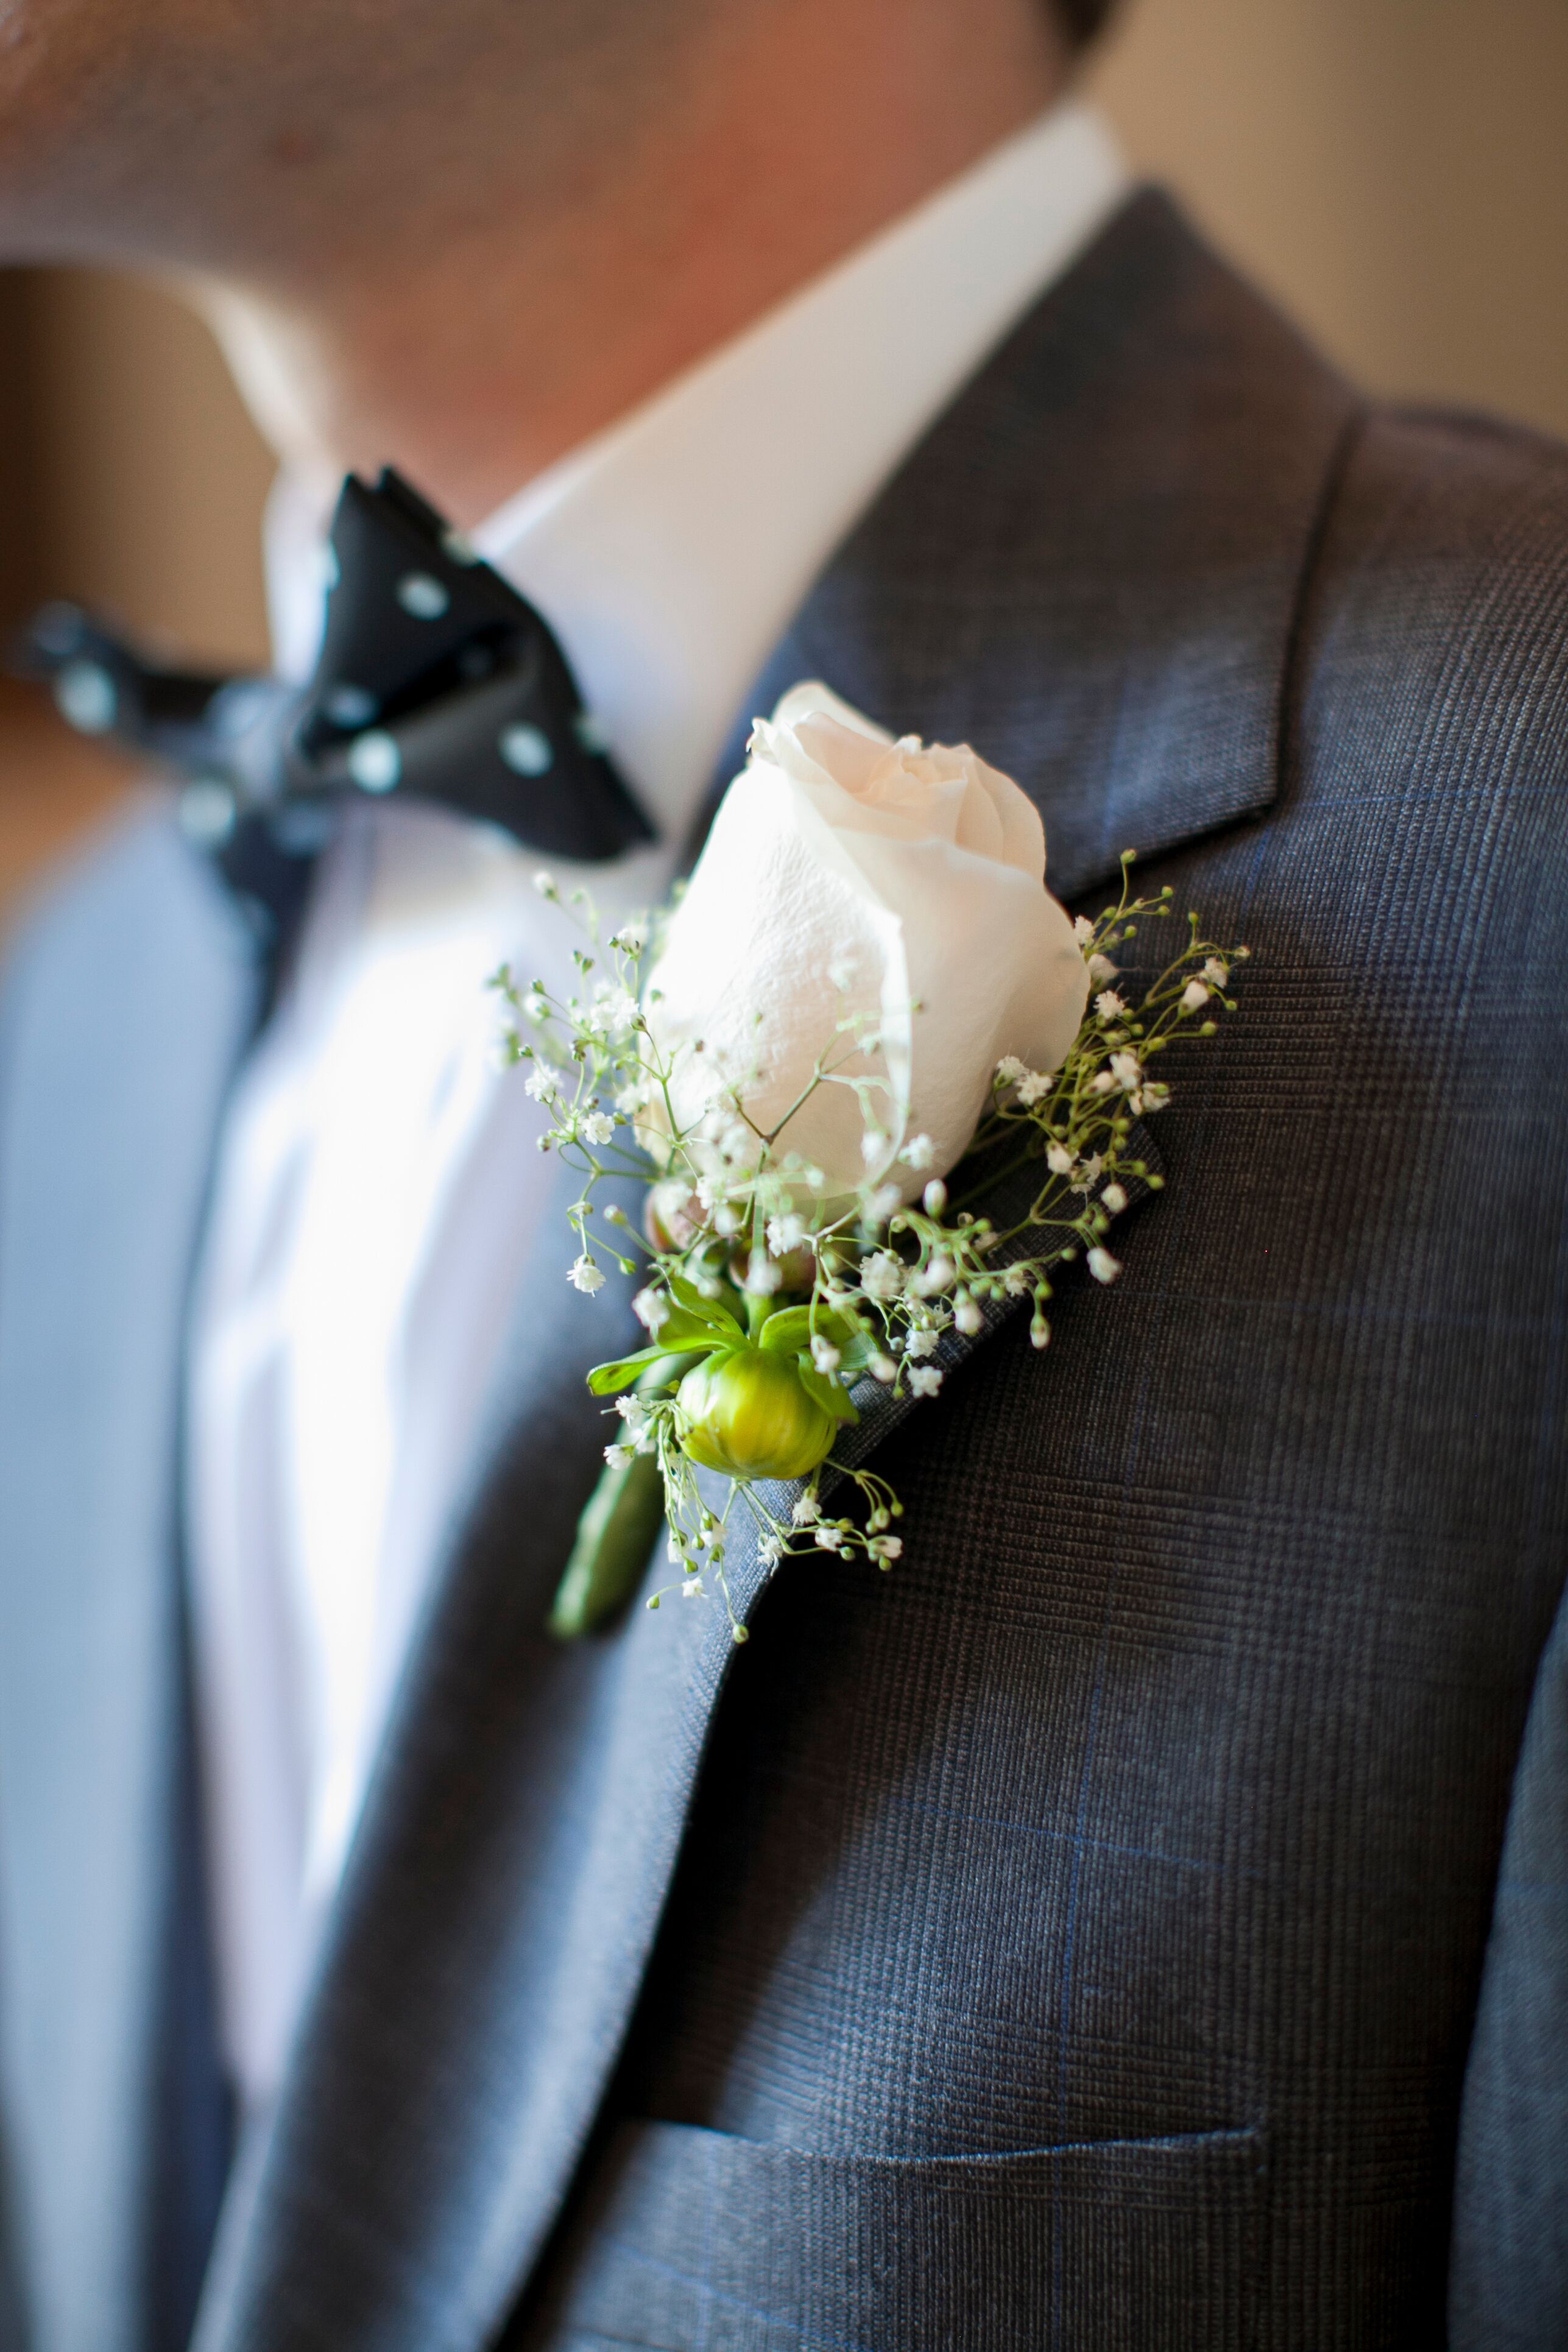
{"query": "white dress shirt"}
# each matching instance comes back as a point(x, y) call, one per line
point(377, 1185)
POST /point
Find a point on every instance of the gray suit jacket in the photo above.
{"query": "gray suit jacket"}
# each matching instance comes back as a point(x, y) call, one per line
point(1140, 1920)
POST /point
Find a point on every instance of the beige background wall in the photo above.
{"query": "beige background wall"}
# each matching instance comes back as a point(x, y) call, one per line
point(1396, 169)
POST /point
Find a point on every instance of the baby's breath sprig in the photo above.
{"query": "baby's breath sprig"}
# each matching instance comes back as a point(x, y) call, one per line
point(768, 1300)
point(586, 1065)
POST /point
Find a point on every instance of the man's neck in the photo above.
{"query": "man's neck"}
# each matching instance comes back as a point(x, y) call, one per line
point(794, 134)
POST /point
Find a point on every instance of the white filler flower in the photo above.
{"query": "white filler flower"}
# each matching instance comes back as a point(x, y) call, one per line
point(897, 887)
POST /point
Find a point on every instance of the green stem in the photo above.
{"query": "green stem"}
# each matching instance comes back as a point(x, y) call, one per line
point(618, 1531)
point(615, 1534)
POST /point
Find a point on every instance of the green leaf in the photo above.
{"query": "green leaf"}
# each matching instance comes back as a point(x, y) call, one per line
point(789, 1332)
point(707, 1312)
point(827, 1392)
point(616, 1535)
point(609, 1380)
point(857, 1353)
point(682, 1331)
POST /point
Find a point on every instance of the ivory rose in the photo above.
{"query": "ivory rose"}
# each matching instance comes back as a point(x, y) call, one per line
point(851, 880)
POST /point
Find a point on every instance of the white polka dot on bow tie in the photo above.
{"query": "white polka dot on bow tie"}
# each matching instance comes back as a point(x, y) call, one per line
point(375, 762)
point(527, 751)
point(424, 598)
point(207, 812)
point(86, 697)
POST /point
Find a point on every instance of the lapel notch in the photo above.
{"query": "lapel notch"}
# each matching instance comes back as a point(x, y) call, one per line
point(1091, 567)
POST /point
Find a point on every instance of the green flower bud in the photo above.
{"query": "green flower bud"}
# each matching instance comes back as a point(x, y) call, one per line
point(746, 1412)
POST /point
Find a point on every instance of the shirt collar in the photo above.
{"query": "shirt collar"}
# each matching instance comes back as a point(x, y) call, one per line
point(669, 551)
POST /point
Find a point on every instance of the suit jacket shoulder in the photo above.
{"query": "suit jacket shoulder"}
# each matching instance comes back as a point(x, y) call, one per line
point(1434, 636)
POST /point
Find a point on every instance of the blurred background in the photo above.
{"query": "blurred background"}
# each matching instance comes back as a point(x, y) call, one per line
point(1394, 170)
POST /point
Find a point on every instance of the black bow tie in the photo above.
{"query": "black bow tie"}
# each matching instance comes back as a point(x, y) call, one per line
point(436, 681)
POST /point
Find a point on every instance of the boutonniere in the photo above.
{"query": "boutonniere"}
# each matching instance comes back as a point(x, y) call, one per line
point(861, 1025)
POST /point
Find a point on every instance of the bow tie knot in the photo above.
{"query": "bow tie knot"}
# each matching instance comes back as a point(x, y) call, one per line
point(436, 680)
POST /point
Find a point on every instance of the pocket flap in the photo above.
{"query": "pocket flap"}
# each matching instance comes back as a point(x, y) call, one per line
point(693, 2238)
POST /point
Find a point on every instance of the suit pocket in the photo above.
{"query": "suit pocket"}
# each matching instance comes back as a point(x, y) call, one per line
point(695, 2242)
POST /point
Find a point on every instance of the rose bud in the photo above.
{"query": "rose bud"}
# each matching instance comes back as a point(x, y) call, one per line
point(850, 883)
point(746, 1412)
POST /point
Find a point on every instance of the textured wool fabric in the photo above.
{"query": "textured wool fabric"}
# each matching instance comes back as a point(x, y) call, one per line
point(1076, 1937)
point(703, 2238)
point(1510, 2241)
point(1163, 1791)
point(112, 2118)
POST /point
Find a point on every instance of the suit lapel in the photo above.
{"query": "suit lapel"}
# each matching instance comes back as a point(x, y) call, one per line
point(1091, 569)
point(500, 1900)
point(126, 1014)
